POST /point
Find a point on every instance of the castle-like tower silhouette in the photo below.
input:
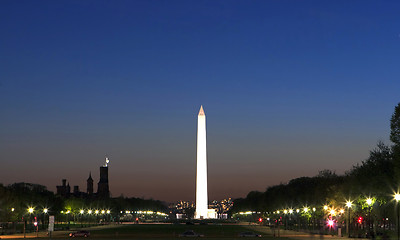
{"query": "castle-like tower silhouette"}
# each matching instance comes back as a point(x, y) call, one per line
point(102, 187)
point(89, 188)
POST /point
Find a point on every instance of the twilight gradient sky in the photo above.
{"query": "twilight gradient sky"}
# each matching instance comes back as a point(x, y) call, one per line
point(289, 88)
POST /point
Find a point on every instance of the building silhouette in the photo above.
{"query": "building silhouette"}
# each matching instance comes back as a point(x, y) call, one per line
point(89, 184)
point(102, 187)
point(64, 190)
point(103, 190)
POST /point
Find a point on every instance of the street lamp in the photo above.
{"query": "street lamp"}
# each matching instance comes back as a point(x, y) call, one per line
point(348, 205)
point(30, 210)
point(397, 198)
point(370, 202)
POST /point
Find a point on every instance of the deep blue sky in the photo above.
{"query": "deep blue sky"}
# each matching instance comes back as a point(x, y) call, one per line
point(289, 88)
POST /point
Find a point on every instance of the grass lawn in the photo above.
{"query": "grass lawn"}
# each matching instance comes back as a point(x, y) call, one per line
point(170, 231)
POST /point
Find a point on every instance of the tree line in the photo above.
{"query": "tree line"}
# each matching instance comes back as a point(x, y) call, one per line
point(378, 176)
point(16, 200)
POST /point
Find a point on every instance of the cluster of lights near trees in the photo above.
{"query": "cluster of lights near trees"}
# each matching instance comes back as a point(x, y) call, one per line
point(328, 213)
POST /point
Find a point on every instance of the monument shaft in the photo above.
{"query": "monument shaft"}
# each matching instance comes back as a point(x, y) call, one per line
point(201, 176)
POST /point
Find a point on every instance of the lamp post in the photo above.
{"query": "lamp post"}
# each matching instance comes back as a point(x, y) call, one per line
point(370, 202)
point(45, 211)
point(306, 209)
point(348, 205)
point(397, 198)
point(30, 211)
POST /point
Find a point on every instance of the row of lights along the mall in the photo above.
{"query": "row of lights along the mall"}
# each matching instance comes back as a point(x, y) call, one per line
point(31, 210)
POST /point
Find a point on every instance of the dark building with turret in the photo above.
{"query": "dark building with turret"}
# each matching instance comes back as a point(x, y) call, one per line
point(102, 186)
point(64, 190)
point(103, 190)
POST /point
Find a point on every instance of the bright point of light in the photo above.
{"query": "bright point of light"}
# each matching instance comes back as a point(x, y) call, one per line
point(314, 209)
point(45, 210)
point(290, 211)
point(369, 201)
point(285, 211)
point(103, 211)
point(341, 211)
point(30, 210)
point(82, 211)
point(297, 210)
point(325, 207)
point(397, 197)
point(108, 211)
point(305, 209)
point(96, 212)
point(12, 209)
point(68, 211)
point(330, 223)
point(349, 204)
point(89, 211)
point(277, 212)
point(332, 212)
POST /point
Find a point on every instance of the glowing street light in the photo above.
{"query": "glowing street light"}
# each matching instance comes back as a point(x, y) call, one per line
point(30, 210)
point(81, 211)
point(314, 209)
point(45, 210)
point(397, 198)
point(332, 212)
point(369, 201)
point(12, 209)
point(341, 211)
point(349, 204)
point(325, 207)
point(305, 209)
point(290, 211)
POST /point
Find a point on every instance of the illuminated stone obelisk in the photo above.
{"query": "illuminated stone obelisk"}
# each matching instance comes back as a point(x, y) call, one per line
point(201, 176)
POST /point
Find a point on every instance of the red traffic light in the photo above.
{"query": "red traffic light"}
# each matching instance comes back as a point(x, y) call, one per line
point(360, 219)
point(260, 219)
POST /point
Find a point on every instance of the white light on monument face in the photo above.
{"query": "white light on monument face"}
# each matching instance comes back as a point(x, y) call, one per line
point(201, 176)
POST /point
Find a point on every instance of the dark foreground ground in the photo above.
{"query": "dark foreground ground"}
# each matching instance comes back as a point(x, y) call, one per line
point(172, 231)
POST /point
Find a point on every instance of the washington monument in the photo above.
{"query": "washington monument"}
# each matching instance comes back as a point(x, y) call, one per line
point(201, 176)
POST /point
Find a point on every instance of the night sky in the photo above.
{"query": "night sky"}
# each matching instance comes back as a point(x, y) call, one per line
point(289, 88)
